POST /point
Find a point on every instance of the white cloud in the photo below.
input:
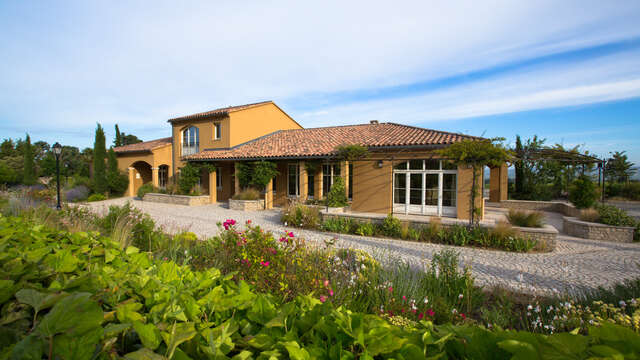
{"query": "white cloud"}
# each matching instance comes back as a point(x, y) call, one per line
point(138, 63)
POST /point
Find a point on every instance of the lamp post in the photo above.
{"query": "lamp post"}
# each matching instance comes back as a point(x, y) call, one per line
point(57, 150)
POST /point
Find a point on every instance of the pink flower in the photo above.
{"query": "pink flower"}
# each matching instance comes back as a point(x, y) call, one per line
point(264, 263)
point(404, 298)
point(430, 313)
point(462, 316)
point(228, 223)
point(420, 316)
point(390, 289)
point(284, 239)
point(290, 234)
point(323, 298)
point(330, 292)
point(326, 283)
point(248, 221)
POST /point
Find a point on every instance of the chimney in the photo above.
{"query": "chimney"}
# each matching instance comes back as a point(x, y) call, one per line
point(373, 122)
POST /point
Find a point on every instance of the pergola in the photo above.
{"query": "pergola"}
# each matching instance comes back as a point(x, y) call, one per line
point(569, 157)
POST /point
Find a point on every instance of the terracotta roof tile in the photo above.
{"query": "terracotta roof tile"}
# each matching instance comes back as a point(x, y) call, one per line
point(319, 142)
point(143, 146)
point(220, 111)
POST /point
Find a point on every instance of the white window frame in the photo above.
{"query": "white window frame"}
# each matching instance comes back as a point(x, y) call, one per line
point(407, 207)
point(297, 165)
point(217, 130)
point(192, 149)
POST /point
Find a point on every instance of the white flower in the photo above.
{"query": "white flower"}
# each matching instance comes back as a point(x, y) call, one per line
point(529, 307)
point(285, 223)
point(426, 301)
point(538, 308)
point(460, 296)
point(453, 311)
point(622, 303)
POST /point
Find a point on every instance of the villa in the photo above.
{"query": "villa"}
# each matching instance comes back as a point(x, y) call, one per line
point(402, 174)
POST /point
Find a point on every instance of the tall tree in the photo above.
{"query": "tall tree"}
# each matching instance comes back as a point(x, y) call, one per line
point(117, 181)
point(99, 156)
point(518, 165)
point(130, 139)
point(118, 140)
point(29, 170)
point(619, 168)
point(477, 154)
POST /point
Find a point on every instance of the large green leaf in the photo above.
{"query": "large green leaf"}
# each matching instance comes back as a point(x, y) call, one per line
point(295, 352)
point(144, 354)
point(37, 300)
point(63, 261)
point(180, 332)
point(73, 315)
point(262, 310)
point(30, 348)
point(127, 313)
point(7, 289)
point(520, 349)
point(77, 347)
point(149, 334)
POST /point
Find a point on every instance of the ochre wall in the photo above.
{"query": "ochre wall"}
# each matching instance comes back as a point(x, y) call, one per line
point(205, 132)
point(280, 197)
point(372, 187)
point(258, 121)
point(465, 179)
point(498, 183)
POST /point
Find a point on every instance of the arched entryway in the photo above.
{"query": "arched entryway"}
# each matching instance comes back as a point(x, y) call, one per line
point(139, 173)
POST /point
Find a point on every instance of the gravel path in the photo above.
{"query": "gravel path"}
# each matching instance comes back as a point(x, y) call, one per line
point(576, 264)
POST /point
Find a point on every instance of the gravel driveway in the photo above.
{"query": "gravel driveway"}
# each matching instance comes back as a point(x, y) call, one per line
point(576, 264)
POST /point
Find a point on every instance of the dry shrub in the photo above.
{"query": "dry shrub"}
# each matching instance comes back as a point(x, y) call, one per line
point(589, 215)
point(248, 194)
point(503, 230)
point(525, 218)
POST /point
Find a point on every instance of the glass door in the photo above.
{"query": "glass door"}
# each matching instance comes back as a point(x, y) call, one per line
point(400, 193)
point(415, 193)
point(431, 194)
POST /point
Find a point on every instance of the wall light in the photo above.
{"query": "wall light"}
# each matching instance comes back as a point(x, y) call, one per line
point(379, 163)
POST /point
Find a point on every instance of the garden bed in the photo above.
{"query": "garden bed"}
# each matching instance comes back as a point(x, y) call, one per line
point(596, 231)
point(553, 206)
point(545, 236)
point(246, 205)
point(177, 199)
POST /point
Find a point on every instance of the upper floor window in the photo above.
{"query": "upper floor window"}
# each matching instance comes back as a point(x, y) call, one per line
point(190, 141)
point(217, 130)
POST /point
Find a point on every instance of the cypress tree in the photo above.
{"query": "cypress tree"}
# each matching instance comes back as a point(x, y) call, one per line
point(99, 154)
point(29, 171)
point(518, 165)
point(116, 181)
point(118, 140)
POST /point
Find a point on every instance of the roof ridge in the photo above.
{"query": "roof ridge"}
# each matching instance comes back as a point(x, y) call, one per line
point(434, 130)
point(334, 126)
point(220, 109)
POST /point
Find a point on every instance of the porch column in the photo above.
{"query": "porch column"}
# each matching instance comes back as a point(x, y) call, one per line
point(268, 195)
point(344, 171)
point(132, 179)
point(213, 189)
point(498, 183)
point(465, 179)
point(317, 186)
point(236, 185)
point(304, 182)
point(155, 180)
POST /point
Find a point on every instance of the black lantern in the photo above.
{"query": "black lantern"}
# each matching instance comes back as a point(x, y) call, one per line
point(57, 151)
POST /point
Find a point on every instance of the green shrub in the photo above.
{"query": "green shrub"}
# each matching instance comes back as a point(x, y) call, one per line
point(429, 232)
point(256, 173)
point(337, 196)
point(299, 215)
point(342, 225)
point(365, 229)
point(145, 189)
point(583, 193)
point(188, 178)
point(391, 227)
point(96, 197)
point(248, 194)
point(525, 218)
point(611, 215)
point(144, 234)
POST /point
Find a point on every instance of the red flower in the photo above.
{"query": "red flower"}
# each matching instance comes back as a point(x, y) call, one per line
point(390, 289)
point(323, 298)
point(420, 316)
point(462, 316)
point(430, 313)
point(290, 234)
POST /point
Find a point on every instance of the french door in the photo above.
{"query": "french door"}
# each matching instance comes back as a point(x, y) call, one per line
point(425, 192)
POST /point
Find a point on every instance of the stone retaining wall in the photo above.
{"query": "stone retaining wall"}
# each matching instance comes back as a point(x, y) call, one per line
point(177, 199)
point(554, 206)
point(545, 236)
point(594, 231)
point(246, 205)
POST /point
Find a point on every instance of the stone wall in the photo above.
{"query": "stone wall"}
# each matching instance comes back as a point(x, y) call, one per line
point(554, 206)
point(246, 205)
point(595, 231)
point(177, 199)
point(545, 236)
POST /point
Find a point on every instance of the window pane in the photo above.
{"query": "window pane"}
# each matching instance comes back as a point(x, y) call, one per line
point(448, 165)
point(432, 164)
point(401, 166)
point(293, 180)
point(217, 130)
point(336, 170)
point(400, 183)
point(310, 185)
point(431, 190)
point(326, 179)
point(415, 181)
point(449, 190)
point(415, 164)
point(416, 197)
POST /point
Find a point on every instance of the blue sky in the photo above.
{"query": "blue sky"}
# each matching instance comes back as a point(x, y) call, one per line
point(567, 71)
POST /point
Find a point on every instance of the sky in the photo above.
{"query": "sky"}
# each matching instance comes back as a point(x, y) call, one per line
point(567, 71)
